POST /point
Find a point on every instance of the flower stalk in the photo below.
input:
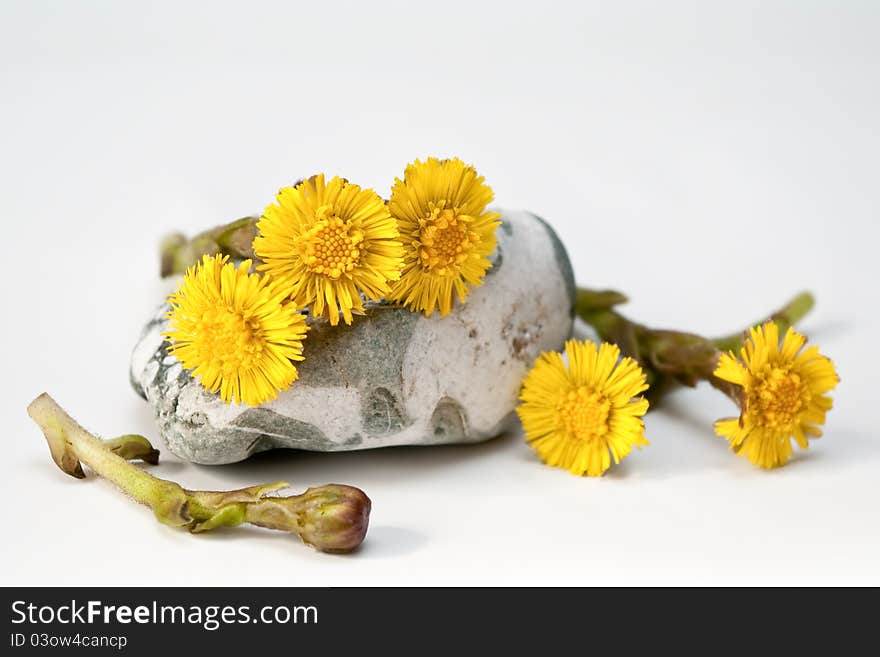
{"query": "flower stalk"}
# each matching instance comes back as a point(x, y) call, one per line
point(177, 253)
point(669, 357)
point(331, 518)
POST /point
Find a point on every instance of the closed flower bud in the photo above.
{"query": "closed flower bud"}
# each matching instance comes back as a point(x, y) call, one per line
point(331, 518)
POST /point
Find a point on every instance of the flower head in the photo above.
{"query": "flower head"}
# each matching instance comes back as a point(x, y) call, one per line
point(329, 243)
point(236, 331)
point(583, 415)
point(440, 206)
point(783, 395)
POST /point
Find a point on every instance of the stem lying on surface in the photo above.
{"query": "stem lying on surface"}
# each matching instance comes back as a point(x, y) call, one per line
point(331, 518)
point(235, 239)
point(672, 356)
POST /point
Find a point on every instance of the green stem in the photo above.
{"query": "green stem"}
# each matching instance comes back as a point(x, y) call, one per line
point(671, 356)
point(332, 518)
point(235, 239)
point(79, 445)
point(787, 316)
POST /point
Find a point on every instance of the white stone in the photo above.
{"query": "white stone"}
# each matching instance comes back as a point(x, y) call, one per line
point(391, 378)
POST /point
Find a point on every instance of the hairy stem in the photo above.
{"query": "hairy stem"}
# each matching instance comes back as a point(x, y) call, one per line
point(332, 518)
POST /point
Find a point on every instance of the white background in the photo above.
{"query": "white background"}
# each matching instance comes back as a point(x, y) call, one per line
point(710, 159)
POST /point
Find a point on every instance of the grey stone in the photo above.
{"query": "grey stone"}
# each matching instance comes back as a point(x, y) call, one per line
point(391, 378)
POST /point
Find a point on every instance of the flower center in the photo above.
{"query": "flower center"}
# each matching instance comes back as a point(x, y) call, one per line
point(331, 246)
point(583, 413)
point(446, 240)
point(777, 398)
point(228, 340)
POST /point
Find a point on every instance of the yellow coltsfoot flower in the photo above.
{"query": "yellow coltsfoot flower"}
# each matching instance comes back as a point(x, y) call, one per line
point(236, 331)
point(583, 415)
point(783, 395)
point(329, 243)
point(440, 207)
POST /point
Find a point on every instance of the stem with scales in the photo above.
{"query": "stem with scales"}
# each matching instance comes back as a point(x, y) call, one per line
point(673, 356)
point(177, 252)
point(331, 518)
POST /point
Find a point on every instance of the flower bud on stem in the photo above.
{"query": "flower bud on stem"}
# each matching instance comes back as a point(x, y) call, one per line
point(331, 518)
point(672, 356)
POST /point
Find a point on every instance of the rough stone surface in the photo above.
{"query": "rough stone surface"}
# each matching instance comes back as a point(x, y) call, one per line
point(393, 377)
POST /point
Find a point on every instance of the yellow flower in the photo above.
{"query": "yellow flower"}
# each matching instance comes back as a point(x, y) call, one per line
point(440, 206)
point(329, 243)
point(582, 415)
point(236, 331)
point(783, 395)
